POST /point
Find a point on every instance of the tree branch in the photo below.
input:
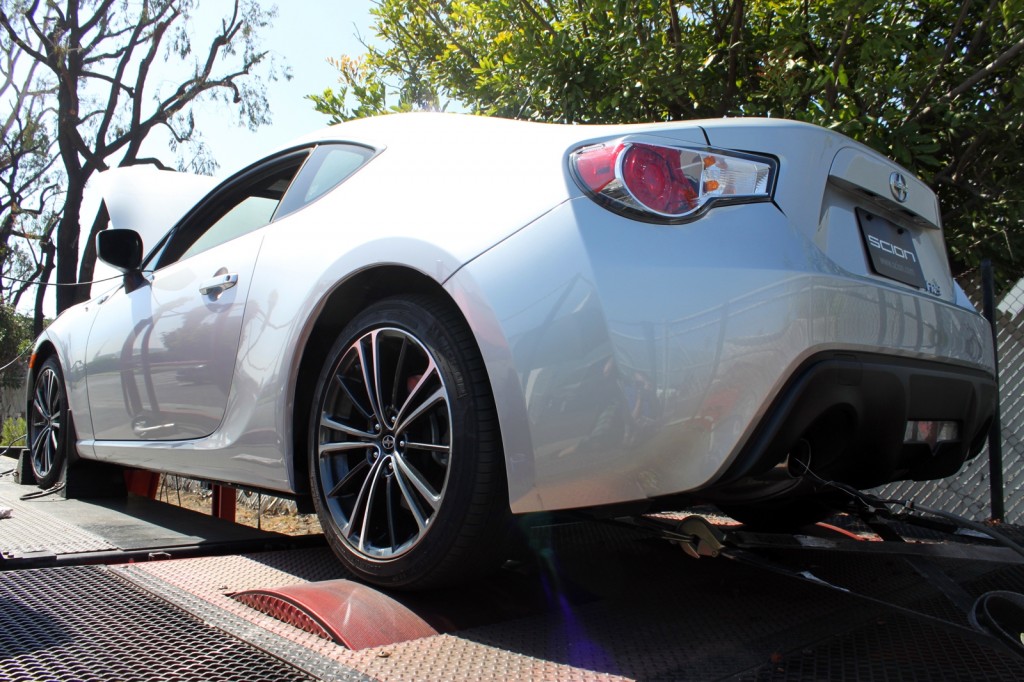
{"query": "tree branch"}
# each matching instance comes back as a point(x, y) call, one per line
point(999, 62)
point(981, 31)
point(528, 6)
point(837, 61)
point(975, 78)
point(5, 22)
point(734, 42)
point(946, 56)
point(440, 25)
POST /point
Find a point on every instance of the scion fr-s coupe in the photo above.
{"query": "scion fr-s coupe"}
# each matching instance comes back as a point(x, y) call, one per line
point(430, 323)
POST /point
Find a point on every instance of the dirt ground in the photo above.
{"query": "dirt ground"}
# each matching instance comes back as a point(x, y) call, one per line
point(276, 517)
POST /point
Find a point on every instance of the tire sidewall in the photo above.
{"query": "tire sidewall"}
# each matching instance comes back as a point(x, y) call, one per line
point(60, 459)
point(443, 530)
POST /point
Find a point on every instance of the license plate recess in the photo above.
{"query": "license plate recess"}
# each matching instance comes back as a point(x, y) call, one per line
point(890, 248)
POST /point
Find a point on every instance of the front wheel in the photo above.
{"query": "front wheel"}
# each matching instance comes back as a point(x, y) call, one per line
point(405, 461)
point(49, 426)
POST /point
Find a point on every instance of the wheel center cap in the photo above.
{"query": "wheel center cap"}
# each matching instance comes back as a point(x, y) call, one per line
point(388, 442)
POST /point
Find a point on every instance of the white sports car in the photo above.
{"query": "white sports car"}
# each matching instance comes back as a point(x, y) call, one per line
point(426, 323)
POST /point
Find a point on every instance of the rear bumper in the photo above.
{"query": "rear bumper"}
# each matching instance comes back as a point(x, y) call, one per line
point(631, 361)
point(848, 412)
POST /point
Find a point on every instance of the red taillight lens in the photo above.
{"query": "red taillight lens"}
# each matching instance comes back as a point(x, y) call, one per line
point(666, 183)
point(649, 175)
point(596, 165)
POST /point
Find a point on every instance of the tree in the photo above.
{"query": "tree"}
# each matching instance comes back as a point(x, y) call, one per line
point(934, 84)
point(100, 55)
point(15, 342)
point(30, 187)
point(15, 338)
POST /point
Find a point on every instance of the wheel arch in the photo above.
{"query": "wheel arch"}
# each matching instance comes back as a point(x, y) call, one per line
point(42, 355)
point(42, 352)
point(340, 305)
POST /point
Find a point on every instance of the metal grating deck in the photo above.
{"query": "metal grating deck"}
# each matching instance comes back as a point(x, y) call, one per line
point(83, 623)
point(32, 531)
point(622, 607)
point(893, 647)
point(587, 601)
point(51, 530)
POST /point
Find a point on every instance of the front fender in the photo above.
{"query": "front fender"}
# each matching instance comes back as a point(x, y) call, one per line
point(67, 337)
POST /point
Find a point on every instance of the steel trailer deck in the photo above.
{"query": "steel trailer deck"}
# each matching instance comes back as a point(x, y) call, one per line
point(51, 530)
point(588, 601)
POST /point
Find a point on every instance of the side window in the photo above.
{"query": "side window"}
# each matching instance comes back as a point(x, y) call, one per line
point(243, 206)
point(327, 167)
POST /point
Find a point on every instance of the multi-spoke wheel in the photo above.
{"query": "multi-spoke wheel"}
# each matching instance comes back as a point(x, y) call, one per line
point(48, 424)
point(405, 463)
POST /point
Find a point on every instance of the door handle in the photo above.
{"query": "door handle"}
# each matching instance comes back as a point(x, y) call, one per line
point(218, 285)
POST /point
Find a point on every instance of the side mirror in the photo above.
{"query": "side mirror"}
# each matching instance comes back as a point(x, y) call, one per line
point(120, 249)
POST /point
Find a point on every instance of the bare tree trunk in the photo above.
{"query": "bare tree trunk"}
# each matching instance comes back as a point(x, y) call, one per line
point(68, 232)
point(44, 277)
point(88, 267)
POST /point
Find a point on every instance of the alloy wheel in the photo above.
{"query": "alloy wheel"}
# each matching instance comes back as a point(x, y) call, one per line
point(384, 448)
point(47, 422)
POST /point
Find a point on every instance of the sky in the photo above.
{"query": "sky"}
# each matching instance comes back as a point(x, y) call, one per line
point(304, 35)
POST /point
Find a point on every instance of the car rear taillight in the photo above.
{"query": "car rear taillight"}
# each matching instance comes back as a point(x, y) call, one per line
point(667, 183)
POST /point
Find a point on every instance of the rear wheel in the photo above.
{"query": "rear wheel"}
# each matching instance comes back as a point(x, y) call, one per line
point(49, 426)
point(405, 463)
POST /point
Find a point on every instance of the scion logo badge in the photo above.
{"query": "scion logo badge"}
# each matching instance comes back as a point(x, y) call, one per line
point(889, 247)
point(898, 187)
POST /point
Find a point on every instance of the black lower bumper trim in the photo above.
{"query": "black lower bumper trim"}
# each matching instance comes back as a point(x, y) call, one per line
point(850, 411)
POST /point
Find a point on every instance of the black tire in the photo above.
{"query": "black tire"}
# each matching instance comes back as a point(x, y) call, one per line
point(49, 427)
point(406, 465)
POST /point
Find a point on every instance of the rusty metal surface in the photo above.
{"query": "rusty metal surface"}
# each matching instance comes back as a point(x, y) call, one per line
point(347, 612)
point(265, 601)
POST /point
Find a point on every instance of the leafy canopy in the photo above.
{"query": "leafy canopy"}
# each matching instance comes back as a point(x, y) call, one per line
point(934, 84)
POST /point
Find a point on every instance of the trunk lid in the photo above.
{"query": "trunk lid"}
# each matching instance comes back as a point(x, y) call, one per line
point(867, 214)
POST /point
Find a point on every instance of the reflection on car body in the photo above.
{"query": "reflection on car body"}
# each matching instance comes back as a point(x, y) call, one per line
point(427, 323)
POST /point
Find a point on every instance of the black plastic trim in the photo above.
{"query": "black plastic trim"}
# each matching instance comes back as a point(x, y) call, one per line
point(857, 406)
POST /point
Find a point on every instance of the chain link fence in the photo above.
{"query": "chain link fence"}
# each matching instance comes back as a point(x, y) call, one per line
point(968, 493)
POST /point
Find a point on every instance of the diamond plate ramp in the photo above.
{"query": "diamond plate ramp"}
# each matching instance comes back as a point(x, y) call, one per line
point(618, 606)
point(49, 530)
point(31, 532)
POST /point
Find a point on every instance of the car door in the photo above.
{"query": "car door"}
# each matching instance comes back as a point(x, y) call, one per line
point(161, 355)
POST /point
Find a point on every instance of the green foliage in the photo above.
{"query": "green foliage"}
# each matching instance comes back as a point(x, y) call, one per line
point(360, 81)
point(14, 431)
point(934, 84)
point(15, 340)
